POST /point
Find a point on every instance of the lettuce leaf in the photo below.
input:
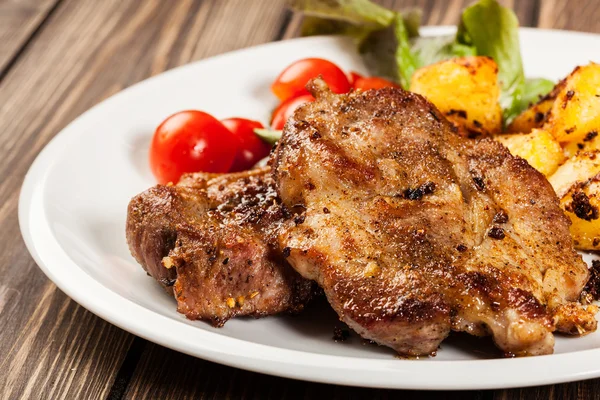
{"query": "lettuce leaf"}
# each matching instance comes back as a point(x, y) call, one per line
point(534, 90)
point(270, 136)
point(358, 12)
point(388, 41)
point(354, 18)
point(392, 48)
point(387, 52)
point(382, 35)
point(430, 50)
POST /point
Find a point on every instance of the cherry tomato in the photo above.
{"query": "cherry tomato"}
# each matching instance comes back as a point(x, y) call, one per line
point(286, 109)
point(354, 76)
point(292, 81)
point(251, 149)
point(373, 83)
point(190, 141)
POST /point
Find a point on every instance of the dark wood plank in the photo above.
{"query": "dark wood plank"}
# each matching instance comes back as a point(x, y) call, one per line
point(581, 15)
point(63, 351)
point(169, 375)
point(50, 346)
point(575, 390)
point(18, 22)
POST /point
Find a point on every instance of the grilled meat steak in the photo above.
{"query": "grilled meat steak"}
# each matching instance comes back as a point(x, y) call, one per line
point(413, 231)
point(211, 241)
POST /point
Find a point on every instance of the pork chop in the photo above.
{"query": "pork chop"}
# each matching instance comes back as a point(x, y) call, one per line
point(413, 231)
point(211, 242)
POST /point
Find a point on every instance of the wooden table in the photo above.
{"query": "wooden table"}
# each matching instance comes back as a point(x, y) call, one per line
point(59, 58)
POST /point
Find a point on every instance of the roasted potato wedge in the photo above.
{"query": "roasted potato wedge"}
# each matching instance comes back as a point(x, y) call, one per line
point(575, 170)
point(535, 116)
point(539, 148)
point(590, 142)
point(466, 90)
point(577, 184)
point(575, 113)
point(581, 204)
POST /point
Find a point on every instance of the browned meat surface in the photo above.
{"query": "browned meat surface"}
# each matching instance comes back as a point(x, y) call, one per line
point(211, 241)
point(413, 231)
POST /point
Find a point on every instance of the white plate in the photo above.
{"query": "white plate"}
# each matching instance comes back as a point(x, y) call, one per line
point(73, 206)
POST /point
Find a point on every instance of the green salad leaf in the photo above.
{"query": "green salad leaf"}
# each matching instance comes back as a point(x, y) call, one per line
point(354, 18)
point(312, 26)
point(270, 136)
point(388, 41)
point(392, 47)
point(387, 52)
point(358, 12)
point(534, 90)
point(430, 50)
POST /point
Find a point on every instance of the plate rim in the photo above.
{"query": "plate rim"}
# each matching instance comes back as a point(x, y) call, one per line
point(295, 364)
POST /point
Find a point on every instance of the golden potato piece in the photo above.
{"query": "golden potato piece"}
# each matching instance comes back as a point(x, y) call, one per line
point(574, 171)
point(466, 90)
point(577, 184)
point(591, 141)
point(536, 115)
point(575, 113)
point(581, 205)
point(539, 148)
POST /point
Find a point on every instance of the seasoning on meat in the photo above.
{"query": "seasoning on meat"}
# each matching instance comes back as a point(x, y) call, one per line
point(389, 267)
point(211, 241)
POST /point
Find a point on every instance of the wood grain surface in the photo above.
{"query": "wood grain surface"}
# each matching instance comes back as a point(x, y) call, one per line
point(60, 57)
point(19, 23)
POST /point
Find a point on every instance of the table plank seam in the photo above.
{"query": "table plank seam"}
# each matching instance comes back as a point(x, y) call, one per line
point(535, 15)
point(127, 369)
point(285, 23)
point(30, 39)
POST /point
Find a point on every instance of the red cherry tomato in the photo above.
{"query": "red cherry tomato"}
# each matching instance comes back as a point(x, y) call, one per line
point(373, 83)
point(354, 76)
point(292, 81)
point(286, 109)
point(251, 149)
point(190, 141)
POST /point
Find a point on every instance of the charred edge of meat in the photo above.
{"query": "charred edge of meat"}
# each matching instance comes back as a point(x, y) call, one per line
point(479, 183)
point(418, 193)
point(496, 233)
point(169, 240)
point(167, 282)
point(501, 217)
point(340, 334)
point(591, 291)
point(527, 304)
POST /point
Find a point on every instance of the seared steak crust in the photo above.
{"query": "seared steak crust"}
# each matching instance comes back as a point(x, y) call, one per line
point(413, 231)
point(211, 241)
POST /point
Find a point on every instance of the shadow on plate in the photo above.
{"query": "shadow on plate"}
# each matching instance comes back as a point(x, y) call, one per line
point(138, 149)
